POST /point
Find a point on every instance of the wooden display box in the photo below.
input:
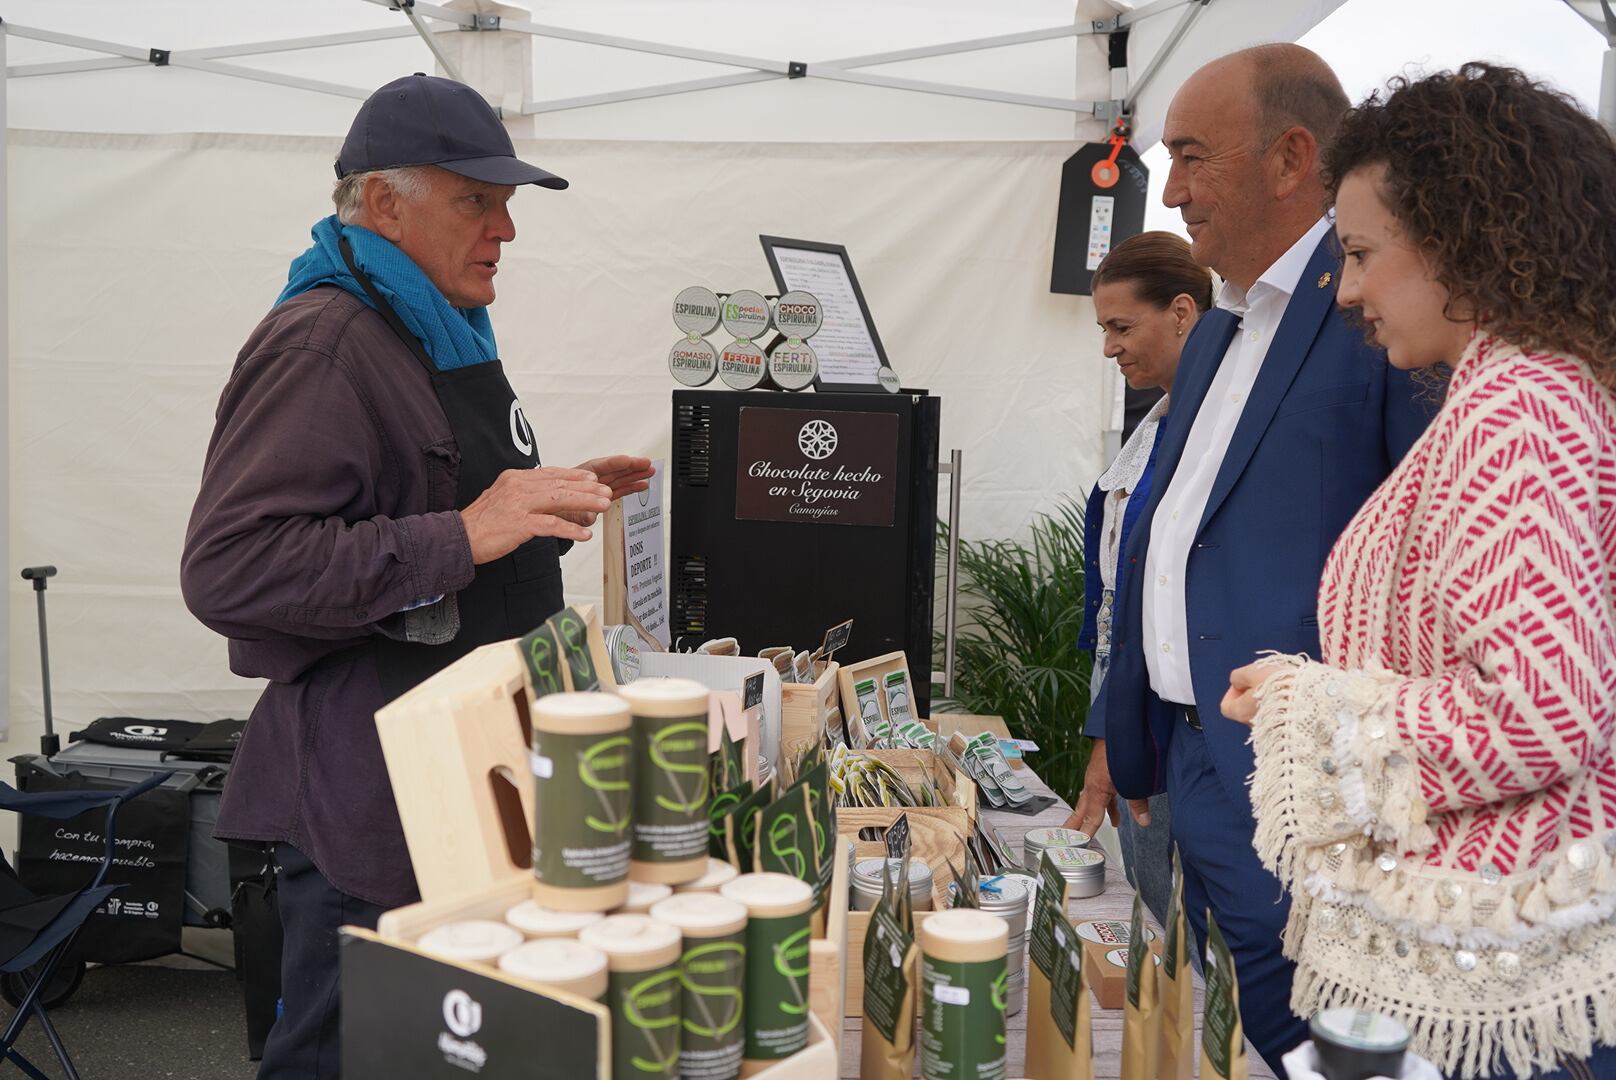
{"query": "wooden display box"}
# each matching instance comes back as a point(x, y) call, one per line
point(806, 708)
point(400, 928)
point(877, 668)
point(1108, 979)
point(937, 835)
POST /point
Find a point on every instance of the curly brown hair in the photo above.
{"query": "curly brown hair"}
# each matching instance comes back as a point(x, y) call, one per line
point(1510, 190)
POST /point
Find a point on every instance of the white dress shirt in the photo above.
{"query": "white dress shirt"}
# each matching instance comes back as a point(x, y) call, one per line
point(1164, 624)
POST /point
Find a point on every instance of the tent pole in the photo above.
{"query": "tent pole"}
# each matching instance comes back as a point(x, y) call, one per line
point(5, 403)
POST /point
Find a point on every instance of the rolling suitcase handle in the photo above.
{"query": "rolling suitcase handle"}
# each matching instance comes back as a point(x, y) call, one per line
point(49, 744)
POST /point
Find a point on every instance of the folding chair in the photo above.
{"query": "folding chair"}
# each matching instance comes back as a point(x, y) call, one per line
point(37, 932)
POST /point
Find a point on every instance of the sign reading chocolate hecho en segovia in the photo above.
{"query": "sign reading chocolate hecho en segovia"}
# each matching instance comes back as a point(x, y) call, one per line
point(821, 468)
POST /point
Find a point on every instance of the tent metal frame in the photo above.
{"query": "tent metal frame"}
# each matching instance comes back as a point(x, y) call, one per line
point(757, 69)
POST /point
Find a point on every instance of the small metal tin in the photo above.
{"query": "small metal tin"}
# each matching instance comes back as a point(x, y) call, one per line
point(1009, 897)
point(741, 365)
point(1083, 869)
point(1354, 1044)
point(746, 314)
point(1037, 840)
point(867, 883)
point(623, 646)
point(695, 310)
point(798, 314)
point(793, 365)
point(693, 361)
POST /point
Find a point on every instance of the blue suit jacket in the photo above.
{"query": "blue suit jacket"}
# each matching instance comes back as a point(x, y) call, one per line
point(1327, 420)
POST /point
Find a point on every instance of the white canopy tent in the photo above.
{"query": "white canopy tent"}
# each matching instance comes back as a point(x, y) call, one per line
point(155, 201)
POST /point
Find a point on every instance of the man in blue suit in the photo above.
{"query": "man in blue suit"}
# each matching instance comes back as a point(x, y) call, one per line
point(1283, 421)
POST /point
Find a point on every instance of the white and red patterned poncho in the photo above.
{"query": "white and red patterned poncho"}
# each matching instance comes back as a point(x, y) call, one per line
point(1439, 794)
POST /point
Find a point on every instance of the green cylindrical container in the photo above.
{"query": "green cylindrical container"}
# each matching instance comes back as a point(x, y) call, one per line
point(670, 780)
point(712, 975)
point(582, 806)
point(643, 993)
point(778, 907)
point(964, 980)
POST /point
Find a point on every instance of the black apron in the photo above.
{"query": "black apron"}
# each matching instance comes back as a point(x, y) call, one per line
point(511, 595)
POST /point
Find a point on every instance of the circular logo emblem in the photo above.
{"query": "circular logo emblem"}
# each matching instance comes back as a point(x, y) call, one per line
point(817, 440)
point(461, 1014)
point(521, 433)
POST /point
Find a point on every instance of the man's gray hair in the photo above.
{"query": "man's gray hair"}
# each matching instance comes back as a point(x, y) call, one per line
point(409, 181)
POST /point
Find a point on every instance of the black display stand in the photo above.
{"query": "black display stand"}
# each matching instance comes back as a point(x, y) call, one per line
point(793, 512)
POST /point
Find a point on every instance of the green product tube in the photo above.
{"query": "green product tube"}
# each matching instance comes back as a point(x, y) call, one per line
point(643, 992)
point(712, 978)
point(964, 977)
point(778, 908)
point(580, 758)
point(671, 780)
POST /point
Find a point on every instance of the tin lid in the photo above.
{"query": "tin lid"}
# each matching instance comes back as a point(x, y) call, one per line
point(1077, 864)
point(472, 940)
point(798, 314)
point(664, 697)
point(536, 921)
point(717, 873)
point(963, 935)
point(740, 365)
point(633, 942)
point(770, 896)
point(1119, 958)
point(1108, 932)
point(561, 963)
point(793, 366)
point(701, 914)
point(642, 894)
point(746, 314)
point(693, 361)
point(1038, 839)
point(1000, 893)
point(867, 875)
point(1360, 1029)
point(695, 310)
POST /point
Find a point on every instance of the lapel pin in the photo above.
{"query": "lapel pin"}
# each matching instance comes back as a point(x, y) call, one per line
point(1324, 279)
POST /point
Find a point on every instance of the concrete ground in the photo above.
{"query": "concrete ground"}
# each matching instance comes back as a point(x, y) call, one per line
point(170, 1019)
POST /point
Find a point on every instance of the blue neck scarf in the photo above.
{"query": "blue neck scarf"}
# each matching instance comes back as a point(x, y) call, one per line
point(453, 337)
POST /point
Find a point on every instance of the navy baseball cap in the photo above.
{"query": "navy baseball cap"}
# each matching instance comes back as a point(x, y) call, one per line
point(424, 120)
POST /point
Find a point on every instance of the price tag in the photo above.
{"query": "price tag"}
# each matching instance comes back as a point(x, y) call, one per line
point(952, 995)
point(898, 837)
point(836, 637)
point(752, 691)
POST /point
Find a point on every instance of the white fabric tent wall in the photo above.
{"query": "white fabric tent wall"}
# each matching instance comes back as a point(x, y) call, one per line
point(139, 262)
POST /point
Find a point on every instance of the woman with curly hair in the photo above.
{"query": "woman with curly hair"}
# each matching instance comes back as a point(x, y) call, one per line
point(1438, 791)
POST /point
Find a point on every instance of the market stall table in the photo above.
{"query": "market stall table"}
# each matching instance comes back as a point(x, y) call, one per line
point(1115, 903)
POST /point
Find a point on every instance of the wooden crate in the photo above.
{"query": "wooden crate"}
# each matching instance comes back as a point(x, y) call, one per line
point(456, 750)
point(958, 791)
point(827, 957)
point(401, 927)
point(805, 708)
point(937, 835)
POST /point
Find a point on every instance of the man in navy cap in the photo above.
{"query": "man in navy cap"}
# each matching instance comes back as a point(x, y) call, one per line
point(373, 508)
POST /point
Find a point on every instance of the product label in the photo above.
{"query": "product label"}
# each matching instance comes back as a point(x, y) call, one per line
point(818, 468)
point(740, 365)
point(886, 976)
point(746, 313)
point(573, 634)
point(1108, 931)
point(581, 809)
point(1175, 941)
point(1048, 916)
point(1220, 1028)
point(797, 314)
point(645, 1023)
point(1066, 990)
point(741, 828)
point(670, 793)
point(695, 310)
point(793, 365)
point(1136, 957)
point(962, 1031)
point(693, 361)
point(723, 804)
point(786, 838)
point(776, 987)
point(712, 974)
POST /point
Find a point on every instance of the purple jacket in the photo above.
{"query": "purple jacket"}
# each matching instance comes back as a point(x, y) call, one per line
point(326, 509)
